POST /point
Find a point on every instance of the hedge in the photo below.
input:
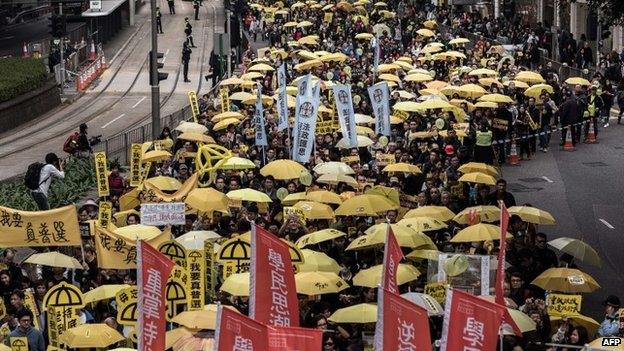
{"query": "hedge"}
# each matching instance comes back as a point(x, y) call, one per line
point(19, 76)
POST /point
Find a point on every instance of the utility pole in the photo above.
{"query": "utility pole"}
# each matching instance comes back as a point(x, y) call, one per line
point(598, 38)
point(154, 74)
point(62, 48)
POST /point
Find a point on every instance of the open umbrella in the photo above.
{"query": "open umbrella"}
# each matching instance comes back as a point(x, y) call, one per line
point(423, 224)
point(470, 90)
point(530, 77)
point(478, 232)
point(54, 259)
point(457, 41)
point(425, 32)
point(194, 240)
point(138, 232)
point(293, 198)
point(205, 318)
point(97, 335)
point(315, 261)
point(324, 196)
point(362, 141)
point(191, 127)
point(335, 179)
point(283, 169)
point(315, 210)
point(249, 195)
point(318, 236)
point(441, 213)
point(472, 167)
point(365, 205)
point(197, 137)
point(486, 104)
point(498, 98)
point(479, 178)
point(318, 283)
point(424, 254)
point(225, 123)
point(237, 163)
point(577, 249)
point(224, 115)
point(361, 313)
point(364, 36)
point(587, 322)
point(577, 81)
point(402, 167)
point(517, 84)
point(418, 77)
point(376, 235)
point(486, 213)
point(425, 301)
point(237, 284)
point(567, 280)
point(371, 277)
point(532, 214)
point(234, 80)
point(155, 156)
point(164, 183)
point(207, 200)
point(536, 90)
point(103, 292)
point(483, 72)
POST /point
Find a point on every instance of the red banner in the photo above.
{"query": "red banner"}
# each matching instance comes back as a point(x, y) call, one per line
point(153, 270)
point(402, 325)
point(500, 269)
point(392, 256)
point(272, 293)
point(238, 332)
point(293, 338)
point(470, 323)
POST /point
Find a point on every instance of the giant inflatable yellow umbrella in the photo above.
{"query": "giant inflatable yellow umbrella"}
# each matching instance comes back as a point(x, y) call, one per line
point(371, 277)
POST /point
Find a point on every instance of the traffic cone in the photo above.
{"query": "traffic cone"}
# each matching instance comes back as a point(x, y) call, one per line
point(513, 158)
point(591, 133)
point(92, 53)
point(567, 145)
point(25, 50)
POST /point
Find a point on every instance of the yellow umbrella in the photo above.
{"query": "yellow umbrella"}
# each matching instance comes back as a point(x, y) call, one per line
point(532, 214)
point(577, 249)
point(577, 81)
point(530, 77)
point(405, 59)
point(266, 100)
point(122, 216)
point(522, 320)
point(335, 179)
point(402, 167)
point(324, 196)
point(224, 124)
point(425, 32)
point(389, 193)
point(471, 90)
point(243, 95)
point(371, 277)
point(138, 232)
point(566, 280)
point(425, 254)
point(237, 284)
point(174, 335)
point(406, 237)
point(484, 214)
point(587, 322)
point(433, 104)
point(103, 292)
point(195, 239)
point(536, 90)
point(361, 130)
point(191, 127)
point(318, 283)
point(97, 335)
point(437, 85)
point(429, 50)
point(293, 198)
point(333, 167)
point(283, 169)
point(234, 80)
point(308, 64)
point(318, 262)
point(205, 318)
point(407, 106)
point(318, 236)
point(315, 210)
point(207, 200)
point(390, 77)
point(517, 84)
point(403, 95)
point(478, 232)
point(237, 163)
point(365, 205)
point(248, 76)
point(457, 41)
point(290, 24)
point(362, 141)
point(203, 138)
point(155, 156)
point(441, 213)
point(129, 200)
point(387, 67)
point(480, 167)
point(334, 57)
point(225, 115)
point(488, 81)
point(380, 4)
point(418, 77)
point(54, 259)
point(498, 98)
point(303, 24)
point(164, 183)
point(362, 313)
point(483, 72)
point(251, 195)
point(423, 224)
point(431, 24)
point(486, 104)
point(599, 343)
point(282, 12)
point(478, 178)
point(308, 56)
point(307, 41)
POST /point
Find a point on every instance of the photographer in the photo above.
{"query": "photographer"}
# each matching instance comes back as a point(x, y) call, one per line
point(52, 168)
point(79, 144)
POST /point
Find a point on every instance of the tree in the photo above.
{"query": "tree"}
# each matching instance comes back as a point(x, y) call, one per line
point(611, 11)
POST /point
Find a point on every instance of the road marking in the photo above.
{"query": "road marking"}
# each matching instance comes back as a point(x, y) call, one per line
point(547, 179)
point(138, 102)
point(607, 224)
point(114, 119)
point(167, 52)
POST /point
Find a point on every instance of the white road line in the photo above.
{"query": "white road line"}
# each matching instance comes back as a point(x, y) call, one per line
point(607, 224)
point(547, 179)
point(138, 102)
point(167, 52)
point(113, 120)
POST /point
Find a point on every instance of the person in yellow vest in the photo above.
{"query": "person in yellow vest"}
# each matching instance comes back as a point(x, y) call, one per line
point(483, 145)
point(594, 106)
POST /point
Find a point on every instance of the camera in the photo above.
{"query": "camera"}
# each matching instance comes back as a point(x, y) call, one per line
point(95, 140)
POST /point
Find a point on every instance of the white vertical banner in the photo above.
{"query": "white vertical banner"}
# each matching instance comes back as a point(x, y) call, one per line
point(282, 99)
point(377, 54)
point(379, 95)
point(305, 120)
point(346, 117)
point(261, 138)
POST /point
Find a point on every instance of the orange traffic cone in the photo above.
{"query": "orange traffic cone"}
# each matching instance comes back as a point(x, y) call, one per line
point(513, 158)
point(25, 51)
point(591, 133)
point(568, 146)
point(92, 53)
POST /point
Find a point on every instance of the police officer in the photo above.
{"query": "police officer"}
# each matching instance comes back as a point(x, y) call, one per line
point(171, 7)
point(159, 21)
point(188, 30)
point(196, 7)
point(186, 57)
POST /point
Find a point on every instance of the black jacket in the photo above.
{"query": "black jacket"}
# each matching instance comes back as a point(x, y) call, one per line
point(568, 111)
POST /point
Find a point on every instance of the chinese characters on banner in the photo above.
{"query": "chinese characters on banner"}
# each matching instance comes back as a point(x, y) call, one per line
point(211, 270)
point(105, 213)
point(135, 165)
point(500, 269)
point(308, 100)
point(61, 302)
point(116, 252)
point(437, 290)
point(282, 102)
point(346, 116)
point(177, 291)
point(197, 277)
point(126, 300)
point(293, 338)
point(194, 105)
point(272, 293)
point(165, 213)
point(260, 132)
point(101, 173)
point(470, 323)
point(236, 332)
point(376, 45)
point(153, 268)
point(31, 305)
point(224, 94)
point(402, 325)
point(379, 95)
point(563, 305)
point(57, 227)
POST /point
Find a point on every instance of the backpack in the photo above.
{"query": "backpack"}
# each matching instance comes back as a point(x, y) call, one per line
point(71, 143)
point(33, 173)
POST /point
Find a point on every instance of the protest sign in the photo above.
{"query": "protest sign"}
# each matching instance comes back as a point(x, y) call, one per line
point(165, 213)
point(57, 227)
point(563, 305)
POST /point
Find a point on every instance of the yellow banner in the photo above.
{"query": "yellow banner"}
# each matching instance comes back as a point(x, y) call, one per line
point(31, 305)
point(211, 269)
point(126, 300)
point(328, 17)
point(194, 105)
point(563, 305)
point(135, 165)
point(437, 291)
point(105, 213)
point(176, 291)
point(400, 114)
point(197, 278)
point(350, 159)
point(385, 159)
point(59, 320)
point(57, 227)
point(224, 94)
point(145, 168)
point(3, 310)
point(116, 252)
point(101, 173)
point(294, 210)
point(153, 194)
point(175, 252)
point(19, 343)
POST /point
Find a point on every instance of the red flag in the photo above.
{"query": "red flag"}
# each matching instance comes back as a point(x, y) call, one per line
point(272, 293)
point(153, 269)
point(238, 332)
point(500, 269)
point(473, 217)
point(293, 338)
point(402, 325)
point(392, 256)
point(470, 323)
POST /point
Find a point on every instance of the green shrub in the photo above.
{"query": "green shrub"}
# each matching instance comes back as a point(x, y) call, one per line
point(79, 179)
point(19, 76)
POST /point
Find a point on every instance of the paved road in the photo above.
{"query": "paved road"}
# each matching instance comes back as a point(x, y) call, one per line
point(584, 190)
point(121, 98)
point(12, 39)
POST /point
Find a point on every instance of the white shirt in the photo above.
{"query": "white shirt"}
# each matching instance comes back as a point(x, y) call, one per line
point(45, 178)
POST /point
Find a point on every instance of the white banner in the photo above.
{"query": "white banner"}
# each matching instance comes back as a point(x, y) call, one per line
point(376, 45)
point(308, 101)
point(261, 138)
point(379, 95)
point(163, 213)
point(282, 99)
point(346, 117)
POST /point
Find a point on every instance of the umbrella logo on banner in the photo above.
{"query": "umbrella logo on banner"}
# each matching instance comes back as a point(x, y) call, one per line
point(377, 95)
point(306, 110)
point(175, 291)
point(126, 299)
point(19, 343)
point(174, 251)
point(63, 295)
point(238, 251)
